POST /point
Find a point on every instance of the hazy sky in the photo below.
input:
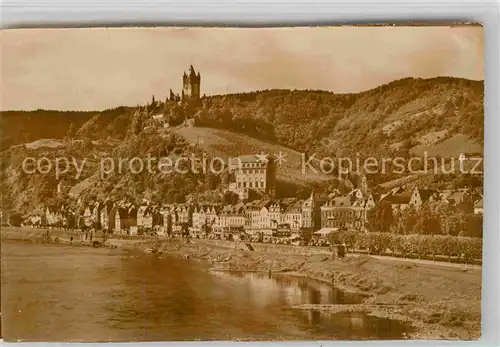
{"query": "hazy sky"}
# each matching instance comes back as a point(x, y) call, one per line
point(99, 68)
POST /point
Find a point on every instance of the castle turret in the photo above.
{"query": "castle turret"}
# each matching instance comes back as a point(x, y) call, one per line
point(191, 82)
point(191, 85)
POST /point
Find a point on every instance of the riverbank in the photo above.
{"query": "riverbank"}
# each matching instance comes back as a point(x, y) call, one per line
point(59, 236)
point(440, 301)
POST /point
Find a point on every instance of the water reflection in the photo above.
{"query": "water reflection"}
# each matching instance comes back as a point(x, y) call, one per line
point(287, 291)
point(55, 293)
point(294, 290)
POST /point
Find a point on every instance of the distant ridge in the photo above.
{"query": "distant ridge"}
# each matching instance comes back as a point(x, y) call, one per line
point(398, 115)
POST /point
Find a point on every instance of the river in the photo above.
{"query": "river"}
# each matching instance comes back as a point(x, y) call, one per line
point(61, 293)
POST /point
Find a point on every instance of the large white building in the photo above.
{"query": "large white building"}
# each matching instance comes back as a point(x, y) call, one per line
point(252, 172)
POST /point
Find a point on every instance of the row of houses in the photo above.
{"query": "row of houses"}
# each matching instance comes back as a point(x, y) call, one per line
point(463, 199)
point(287, 217)
point(264, 216)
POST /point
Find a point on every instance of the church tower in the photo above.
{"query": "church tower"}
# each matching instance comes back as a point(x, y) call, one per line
point(364, 182)
point(311, 213)
point(191, 82)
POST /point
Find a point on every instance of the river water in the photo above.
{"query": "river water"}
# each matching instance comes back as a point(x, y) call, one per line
point(63, 293)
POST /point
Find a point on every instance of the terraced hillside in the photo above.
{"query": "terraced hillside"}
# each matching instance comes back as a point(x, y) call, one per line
point(226, 144)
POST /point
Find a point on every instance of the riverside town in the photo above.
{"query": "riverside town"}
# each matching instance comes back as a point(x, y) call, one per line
point(290, 220)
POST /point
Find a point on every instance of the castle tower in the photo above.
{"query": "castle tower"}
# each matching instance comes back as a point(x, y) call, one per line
point(191, 85)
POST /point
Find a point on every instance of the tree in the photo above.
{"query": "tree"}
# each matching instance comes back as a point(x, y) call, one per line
point(428, 222)
point(473, 225)
point(15, 219)
point(230, 198)
point(253, 195)
point(96, 225)
point(307, 235)
point(410, 220)
point(87, 144)
point(381, 218)
point(207, 229)
point(70, 221)
point(71, 131)
point(399, 225)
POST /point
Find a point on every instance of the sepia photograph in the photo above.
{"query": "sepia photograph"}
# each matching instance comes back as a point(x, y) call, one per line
point(242, 184)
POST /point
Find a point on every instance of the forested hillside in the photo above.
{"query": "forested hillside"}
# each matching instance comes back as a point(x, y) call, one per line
point(19, 127)
point(400, 114)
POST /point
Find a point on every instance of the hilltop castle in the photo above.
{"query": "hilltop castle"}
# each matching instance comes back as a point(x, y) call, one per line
point(191, 82)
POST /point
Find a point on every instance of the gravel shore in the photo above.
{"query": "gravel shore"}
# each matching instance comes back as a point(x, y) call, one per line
point(439, 301)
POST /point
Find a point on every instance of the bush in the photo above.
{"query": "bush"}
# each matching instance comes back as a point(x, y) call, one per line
point(468, 248)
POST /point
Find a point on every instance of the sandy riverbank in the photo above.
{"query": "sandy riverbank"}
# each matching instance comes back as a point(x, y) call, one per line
point(440, 301)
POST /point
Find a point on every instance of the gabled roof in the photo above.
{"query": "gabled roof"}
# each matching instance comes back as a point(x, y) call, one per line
point(407, 192)
point(249, 158)
point(122, 212)
point(145, 209)
point(318, 201)
point(205, 209)
point(264, 203)
point(108, 204)
point(425, 194)
point(457, 197)
point(232, 209)
point(397, 199)
point(251, 204)
point(276, 205)
point(288, 201)
point(98, 206)
point(364, 192)
point(180, 207)
point(294, 207)
point(443, 194)
point(209, 209)
point(375, 196)
point(340, 201)
point(479, 203)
